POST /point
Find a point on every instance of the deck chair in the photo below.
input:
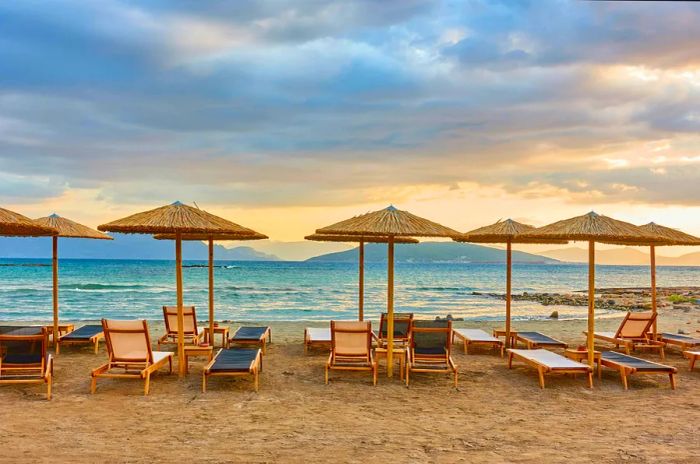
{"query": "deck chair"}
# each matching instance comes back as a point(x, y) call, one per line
point(534, 340)
point(192, 335)
point(130, 354)
point(548, 362)
point(402, 324)
point(628, 365)
point(23, 358)
point(234, 362)
point(83, 335)
point(260, 336)
point(633, 333)
point(476, 337)
point(684, 342)
point(316, 336)
point(351, 348)
point(429, 349)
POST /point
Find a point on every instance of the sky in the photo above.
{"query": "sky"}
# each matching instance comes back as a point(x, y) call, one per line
point(286, 116)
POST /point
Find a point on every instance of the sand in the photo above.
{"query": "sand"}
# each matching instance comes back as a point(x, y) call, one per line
point(496, 415)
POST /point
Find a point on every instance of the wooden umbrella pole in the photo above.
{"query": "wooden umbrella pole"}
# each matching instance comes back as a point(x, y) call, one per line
point(54, 263)
point(591, 301)
point(180, 311)
point(390, 309)
point(211, 291)
point(361, 296)
point(509, 262)
point(652, 254)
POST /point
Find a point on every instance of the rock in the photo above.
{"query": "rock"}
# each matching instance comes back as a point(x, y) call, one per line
point(449, 317)
point(554, 315)
point(682, 332)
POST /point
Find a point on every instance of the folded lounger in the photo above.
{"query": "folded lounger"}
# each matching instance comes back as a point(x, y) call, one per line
point(252, 336)
point(130, 354)
point(692, 356)
point(547, 362)
point(402, 324)
point(477, 337)
point(628, 365)
point(539, 340)
point(234, 362)
point(351, 348)
point(192, 335)
point(315, 336)
point(85, 334)
point(23, 358)
point(684, 342)
point(633, 333)
point(430, 348)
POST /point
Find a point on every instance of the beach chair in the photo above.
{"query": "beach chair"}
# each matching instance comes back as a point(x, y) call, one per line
point(252, 336)
point(548, 362)
point(83, 335)
point(628, 365)
point(130, 354)
point(633, 333)
point(534, 340)
point(402, 324)
point(192, 335)
point(684, 342)
point(692, 357)
point(351, 348)
point(23, 358)
point(429, 349)
point(315, 336)
point(234, 362)
point(477, 337)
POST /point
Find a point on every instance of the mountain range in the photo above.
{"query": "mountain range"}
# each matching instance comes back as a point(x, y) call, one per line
point(622, 256)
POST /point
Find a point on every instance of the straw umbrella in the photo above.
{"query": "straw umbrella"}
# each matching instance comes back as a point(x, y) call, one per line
point(592, 228)
point(68, 229)
point(210, 238)
point(507, 232)
point(177, 219)
point(391, 223)
point(361, 258)
point(15, 225)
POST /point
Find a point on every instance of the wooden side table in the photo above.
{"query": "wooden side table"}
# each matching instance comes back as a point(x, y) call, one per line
point(582, 357)
point(502, 333)
point(399, 352)
point(62, 329)
point(194, 351)
point(222, 330)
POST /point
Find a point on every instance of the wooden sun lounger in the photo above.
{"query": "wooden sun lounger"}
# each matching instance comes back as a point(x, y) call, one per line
point(234, 362)
point(628, 365)
point(402, 325)
point(477, 337)
point(83, 335)
point(547, 362)
point(430, 348)
point(535, 340)
point(252, 336)
point(633, 333)
point(193, 335)
point(684, 342)
point(692, 357)
point(315, 336)
point(23, 358)
point(351, 348)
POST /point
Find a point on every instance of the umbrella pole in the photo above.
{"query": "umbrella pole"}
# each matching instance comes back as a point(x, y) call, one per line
point(591, 301)
point(390, 309)
point(54, 263)
point(509, 263)
point(211, 291)
point(652, 255)
point(180, 314)
point(361, 295)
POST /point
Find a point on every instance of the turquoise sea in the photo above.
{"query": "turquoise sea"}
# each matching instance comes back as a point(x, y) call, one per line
point(283, 291)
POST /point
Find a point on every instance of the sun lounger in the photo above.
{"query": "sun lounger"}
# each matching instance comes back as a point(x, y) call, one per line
point(351, 348)
point(633, 333)
point(547, 362)
point(315, 336)
point(476, 337)
point(692, 357)
point(252, 336)
point(430, 347)
point(535, 340)
point(628, 365)
point(83, 335)
point(192, 335)
point(130, 354)
point(402, 324)
point(684, 342)
point(234, 362)
point(23, 358)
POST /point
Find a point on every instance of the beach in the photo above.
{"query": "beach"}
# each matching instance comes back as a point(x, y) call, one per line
point(495, 415)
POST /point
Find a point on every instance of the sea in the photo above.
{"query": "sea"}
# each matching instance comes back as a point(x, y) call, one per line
point(300, 291)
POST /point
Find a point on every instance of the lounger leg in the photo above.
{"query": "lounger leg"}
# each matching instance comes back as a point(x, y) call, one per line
point(97, 346)
point(49, 382)
point(255, 373)
point(590, 380)
point(627, 350)
point(204, 382)
point(170, 364)
point(58, 347)
point(663, 353)
point(466, 348)
point(540, 371)
point(672, 377)
point(374, 374)
point(147, 384)
point(326, 373)
point(623, 374)
point(93, 385)
point(692, 362)
point(510, 360)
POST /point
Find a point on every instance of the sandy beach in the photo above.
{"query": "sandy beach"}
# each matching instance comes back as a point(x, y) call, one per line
point(496, 415)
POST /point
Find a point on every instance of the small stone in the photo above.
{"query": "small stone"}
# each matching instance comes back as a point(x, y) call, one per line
point(682, 332)
point(554, 315)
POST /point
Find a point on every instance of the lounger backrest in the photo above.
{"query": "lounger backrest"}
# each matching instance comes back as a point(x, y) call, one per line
point(636, 325)
point(431, 338)
point(402, 325)
point(25, 351)
point(128, 341)
point(351, 338)
point(190, 317)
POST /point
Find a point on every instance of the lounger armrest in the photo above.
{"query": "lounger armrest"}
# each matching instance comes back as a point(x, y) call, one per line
point(213, 360)
point(100, 370)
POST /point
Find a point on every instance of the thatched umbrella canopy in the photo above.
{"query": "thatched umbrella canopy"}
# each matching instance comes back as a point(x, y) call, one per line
point(16, 225)
point(210, 238)
point(177, 219)
point(391, 223)
point(362, 239)
point(507, 232)
point(67, 229)
point(592, 228)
